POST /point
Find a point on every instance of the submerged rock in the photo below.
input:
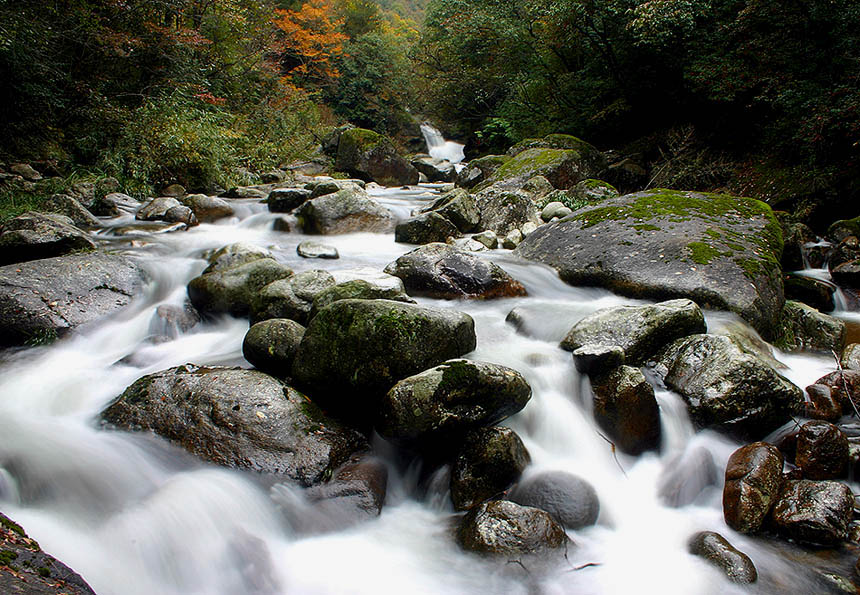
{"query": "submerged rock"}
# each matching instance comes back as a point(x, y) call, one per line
point(237, 418)
point(753, 480)
point(33, 236)
point(714, 548)
point(686, 476)
point(569, 499)
point(814, 512)
point(504, 528)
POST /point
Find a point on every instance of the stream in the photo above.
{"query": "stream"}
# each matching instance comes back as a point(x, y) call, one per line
point(135, 515)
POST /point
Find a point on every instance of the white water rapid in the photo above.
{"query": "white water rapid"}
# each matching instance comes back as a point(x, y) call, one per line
point(439, 148)
point(136, 516)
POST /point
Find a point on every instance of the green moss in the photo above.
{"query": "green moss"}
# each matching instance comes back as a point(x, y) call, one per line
point(532, 162)
point(457, 374)
point(645, 227)
point(7, 557)
point(12, 526)
point(592, 184)
point(713, 233)
point(43, 572)
point(702, 253)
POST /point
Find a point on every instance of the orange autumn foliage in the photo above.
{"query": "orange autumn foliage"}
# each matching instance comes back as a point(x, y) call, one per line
point(310, 41)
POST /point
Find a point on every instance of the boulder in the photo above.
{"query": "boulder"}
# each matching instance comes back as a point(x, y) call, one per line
point(626, 409)
point(181, 214)
point(813, 512)
point(237, 418)
point(354, 351)
point(850, 359)
point(33, 236)
point(208, 209)
point(537, 187)
point(441, 271)
point(155, 209)
point(458, 207)
point(64, 204)
point(174, 190)
point(345, 211)
point(504, 528)
point(487, 238)
point(822, 404)
point(503, 211)
point(489, 461)
point(285, 200)
point(844, 386)
point(847, 274)
point(822, 451)
point(555, 209)
point(714, 548)
point(728, 387)
point(847, 250)
point(26, 171)
point(271, 345)
point(569, 499)
point(44, 299)
point(839, 230)
point(807, 328)
point(372, 157)
point(317, 250)
point(360, 289)
point(425, 229)
point(753, 479)
point(436, 408)
point(232, 290)
point(113, 205)
point(720, 251)
point(592, 190)
point(687, 476)
point(324, 185)
point(594, 359)
point(640, 331)
point(812, 292)
point(479, 170)
point(512, 239)
point(435, 170)
point(796, 236)
point(291, 298)
point(234, 255)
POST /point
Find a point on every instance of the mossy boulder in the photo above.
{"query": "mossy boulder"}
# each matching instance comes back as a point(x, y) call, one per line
point(291, 297)
point(345, 211)
point(436, 408)
point(237, 418)
point(459, 207)
point(508, 529)
point(719, 250)
point(372, 157)
point(807, 328)
point(361, 289)
point(34, 235)
point(562, 167)
point(556, 141)
point(271, 345)
point(354, 351)
point(844, 228)
point(233, 290)
point(233, 255)
point(479, 170)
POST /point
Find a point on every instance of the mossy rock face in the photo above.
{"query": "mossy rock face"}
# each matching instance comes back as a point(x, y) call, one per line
point(562, 167)
point(553, 141)
point(478, 170)
point(361, 289)
point(354, 351)
point(721, 251)
point(843, 228)
point(373, 158)
point(237, 418)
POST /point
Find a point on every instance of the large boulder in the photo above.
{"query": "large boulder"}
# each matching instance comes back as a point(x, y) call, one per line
point(728, 387)
point(479, 170)
point(285, 200)
point(442, 271)
point(503, 210)
point(437, 407)
point(814, 512)
point(488, 462)
point(807, 328)
point(44, 299)
point(569, 499)
point(155, 209)
point(292, 297)
point(718, 250)
point(626, 409)
point(425, 228)
point(63, 204)
point(504, 528)
point(458, 207)
point(354, 351)
point(345, 211)
point(361, 289)
point(372, 157)
point(753, 480)
point(208, 209)
point(233, 255)
point(237, 418)
point(33, 235)
point(640, 331)
point(435, 170)
point(233, 290)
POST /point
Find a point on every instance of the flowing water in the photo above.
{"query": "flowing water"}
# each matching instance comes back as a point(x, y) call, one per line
point(134, 515)
point(440, 148)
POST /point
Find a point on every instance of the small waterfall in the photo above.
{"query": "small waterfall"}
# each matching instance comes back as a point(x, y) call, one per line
point(439, 148)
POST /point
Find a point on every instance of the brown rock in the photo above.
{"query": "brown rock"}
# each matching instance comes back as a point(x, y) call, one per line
point(753, 477)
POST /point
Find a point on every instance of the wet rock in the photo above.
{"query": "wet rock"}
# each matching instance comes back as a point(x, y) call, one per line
point(208, 209)
point(285, 200)
point(850, 359)
point(504, 528)
point(354, 351)
point(796, 236)
point(822, 451)
point(181, 214)
point(503, 211)
point(435, 170)
point(626, 409)
point(847, 274)
point(727, 387)
point(661, 243)
point(271, 345)
point(155, 209)
point(237, 418)
point(594, 359)
point(569, 499)
point(355, 493)
point(685, 477)
point(847, 250)
point(345, 211)
point(34, 236)
point(844, 386)
point(562, 163)
point(436, 408)
point(291, 298)
point(641, 331)
point(807, 328)
point(425, 229)
point(113, 205)
point(814, 512)
point(714, 548)
point(326, 186)
point(234, 255)
point(487, 238)
point(44, 299)
point(74, 210)
point(372, 157)
point(812, 292)
point(822, 404)
point(458, 207)
point(490, 460)
point(172, 321)
point(285, 224)
point(232, 291)
point(753, 479)
point(317, 250)
point(360, 289)
point(441, 271)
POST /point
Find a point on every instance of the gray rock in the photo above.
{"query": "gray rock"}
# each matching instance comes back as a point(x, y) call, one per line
point(237, 418)
point(232, 290)
point(727, 387)
point(814, 512)
point(528, 228)
point(317, 250)
point(503, 211)
point(720, 251)
point(26, 171)
point(437, 407)
point(441, 271)
point(285, 200)
point(504, 528)
point(478, 170)
point(538, 187)
point(208, 209)
point(44, 299)
point(553, 210)
point(512, 239)
point(372, 157)
point(490, 460)
point(626, 409)
point(291, 298)
point(807, 328)
point(33, 236)
point(330, 186)
point(113, 205)
point(822, 451)
point(569, 499)
point(435, 170)
point(425, 229)
point(753, 479)
point(354, 351)
point(181, 214)
point(458, 207)
point(155, 209)
point(271, 345)
point(488, 238)
point(360, 289)
point(246, 192)
point(714, 548)
point(345, 211)
point(563, 167)
point(594, 359)
point(64, 204)
point(234, 255)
